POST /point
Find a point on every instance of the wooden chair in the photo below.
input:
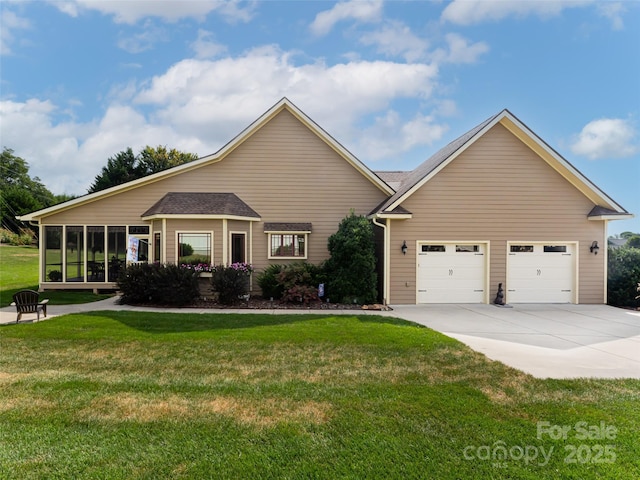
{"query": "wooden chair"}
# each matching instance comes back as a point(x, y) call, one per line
point(27, 301)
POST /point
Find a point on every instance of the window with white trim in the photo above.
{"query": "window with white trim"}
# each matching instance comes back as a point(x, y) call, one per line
point(287, 245)
point(194, 248)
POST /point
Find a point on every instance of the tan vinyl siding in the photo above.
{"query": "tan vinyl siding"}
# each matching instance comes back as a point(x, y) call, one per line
point(498, 190)
point(283, 171)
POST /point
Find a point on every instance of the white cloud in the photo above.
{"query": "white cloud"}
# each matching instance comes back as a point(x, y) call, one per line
point(49, 151)
point(199, 105)
point(86, 146)
point(231, 92)
point(459, 50)
point(143, 40)
point(471, 12)
point(9, 23)
point(390, 135)
point(606, 138)
point(131, 12)
point(613, 11)
point(397, 39)
point(205, 47)
point(361, 11)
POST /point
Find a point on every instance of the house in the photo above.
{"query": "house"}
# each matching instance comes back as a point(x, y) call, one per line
point(497, 205)
point(617, 242)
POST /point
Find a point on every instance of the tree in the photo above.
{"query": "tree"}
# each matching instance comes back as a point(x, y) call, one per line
point(19, 193)
point(624, 276)
point(633, 241)
point(153, 160)
point(351, 269)
point(120, 169)
point(125, 166)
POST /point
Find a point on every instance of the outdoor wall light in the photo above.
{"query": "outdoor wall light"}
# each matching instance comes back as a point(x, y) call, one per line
point(594, 247)
point(404, 247)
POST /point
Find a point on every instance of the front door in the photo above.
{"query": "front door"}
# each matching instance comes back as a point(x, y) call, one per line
point(238, 248)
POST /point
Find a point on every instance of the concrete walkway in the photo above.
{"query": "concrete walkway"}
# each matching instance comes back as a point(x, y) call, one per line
point(547, 341)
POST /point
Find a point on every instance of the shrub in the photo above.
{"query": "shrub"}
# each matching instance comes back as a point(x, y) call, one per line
point(299, 282)
point(268, 282)
point(158, 284)
point(624, 275)
point(55, 275)
point(351, 269)
point(232, 282)
point(24, 237)
point(301, 294)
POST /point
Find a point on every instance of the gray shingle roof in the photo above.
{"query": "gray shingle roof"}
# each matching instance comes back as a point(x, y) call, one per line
point(393, 178)
point(432, 163)
point(201, 203)
point(286, 227)
point(598, 211)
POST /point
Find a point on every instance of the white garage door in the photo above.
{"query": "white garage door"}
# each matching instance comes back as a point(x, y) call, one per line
point(451, 273)
point(541, 273)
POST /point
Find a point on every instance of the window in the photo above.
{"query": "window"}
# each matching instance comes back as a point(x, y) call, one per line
point(194, 248)
point(433, 248)
point(138, 243)
point(555, 248)
point(52, 254)
point(156, 247)
point(75, 254)
point(467, 248)
point(521, 248)
point(238, 248)
point(116, 251)
point(139, 230)
point(95, 252)
point(287, 245)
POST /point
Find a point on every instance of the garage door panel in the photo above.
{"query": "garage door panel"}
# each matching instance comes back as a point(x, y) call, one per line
point(541, 273)
point(454, 274)
point(448, 295)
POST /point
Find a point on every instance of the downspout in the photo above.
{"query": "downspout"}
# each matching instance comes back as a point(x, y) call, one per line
point(163, 246)
point(605, 248)
point(225, 253)
point(387, 260)
point(41, 250)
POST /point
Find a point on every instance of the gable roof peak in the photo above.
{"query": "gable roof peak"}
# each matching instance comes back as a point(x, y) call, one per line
point(428, 169)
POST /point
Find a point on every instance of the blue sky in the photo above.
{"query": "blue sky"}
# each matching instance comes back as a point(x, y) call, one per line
point(392, 81)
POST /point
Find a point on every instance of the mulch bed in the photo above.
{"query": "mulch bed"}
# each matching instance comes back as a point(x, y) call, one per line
point(257, 303)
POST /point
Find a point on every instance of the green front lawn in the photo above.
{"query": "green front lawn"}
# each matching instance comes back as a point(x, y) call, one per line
point(19, 270)
point(144, 395)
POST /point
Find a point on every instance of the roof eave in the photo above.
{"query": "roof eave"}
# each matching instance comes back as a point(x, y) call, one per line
point(197, 216)
point(218, 156)
point(618, 216)
point(557, 162)
point(393, 216)
point(446, 162)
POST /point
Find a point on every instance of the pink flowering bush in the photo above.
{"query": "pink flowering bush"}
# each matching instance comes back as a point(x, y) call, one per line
point(199, 267)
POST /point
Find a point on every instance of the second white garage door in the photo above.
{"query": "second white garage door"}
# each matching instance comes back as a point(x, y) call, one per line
point(541, 273)
point(451, 273)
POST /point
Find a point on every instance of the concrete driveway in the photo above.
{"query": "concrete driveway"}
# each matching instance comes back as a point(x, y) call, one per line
point(547, 341)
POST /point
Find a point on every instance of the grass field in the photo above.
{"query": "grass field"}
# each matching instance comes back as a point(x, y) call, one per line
point(143, 395)
point(19, 270)
point(130, 395)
